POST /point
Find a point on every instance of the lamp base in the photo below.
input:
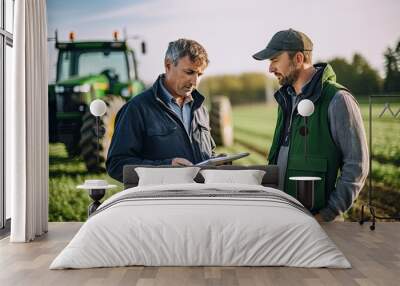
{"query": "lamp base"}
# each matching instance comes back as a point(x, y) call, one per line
point(96, 195)
point(305, 187)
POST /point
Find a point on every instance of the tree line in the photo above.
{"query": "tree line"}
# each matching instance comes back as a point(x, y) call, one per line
point(357, 75)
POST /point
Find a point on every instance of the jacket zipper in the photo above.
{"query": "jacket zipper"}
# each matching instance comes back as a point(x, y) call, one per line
point(283, 136)
point(292, 114)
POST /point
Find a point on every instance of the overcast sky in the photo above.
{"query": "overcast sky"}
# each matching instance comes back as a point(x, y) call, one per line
point(232, 31)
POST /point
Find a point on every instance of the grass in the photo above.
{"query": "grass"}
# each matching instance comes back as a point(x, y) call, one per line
point(66, 202)
point(254, 126)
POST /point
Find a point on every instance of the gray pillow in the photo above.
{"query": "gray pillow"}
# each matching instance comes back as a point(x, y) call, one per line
point(165, 176)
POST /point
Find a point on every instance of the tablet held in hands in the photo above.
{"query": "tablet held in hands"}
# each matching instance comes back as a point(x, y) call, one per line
point(216, 161)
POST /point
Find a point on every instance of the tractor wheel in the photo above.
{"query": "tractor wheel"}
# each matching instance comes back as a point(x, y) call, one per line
point(72, 147)
point(88, 141)
point(221, 122)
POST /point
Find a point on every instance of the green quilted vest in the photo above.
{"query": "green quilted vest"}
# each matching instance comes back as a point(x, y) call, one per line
point(323, 157)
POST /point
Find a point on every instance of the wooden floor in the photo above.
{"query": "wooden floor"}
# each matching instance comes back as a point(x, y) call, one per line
point(374, 255)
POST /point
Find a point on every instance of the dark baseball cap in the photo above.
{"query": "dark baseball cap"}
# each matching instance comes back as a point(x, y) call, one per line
point(287, 40)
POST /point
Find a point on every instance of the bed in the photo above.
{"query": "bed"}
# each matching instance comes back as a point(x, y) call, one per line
point(201, 224)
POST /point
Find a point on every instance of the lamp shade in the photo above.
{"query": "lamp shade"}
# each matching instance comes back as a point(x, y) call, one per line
point(98, 107)
point(305, 107)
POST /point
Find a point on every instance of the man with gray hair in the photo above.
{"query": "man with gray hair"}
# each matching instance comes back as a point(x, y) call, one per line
point(167, 124)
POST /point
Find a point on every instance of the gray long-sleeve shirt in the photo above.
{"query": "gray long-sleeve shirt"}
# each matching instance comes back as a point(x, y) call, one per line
point(346, 127)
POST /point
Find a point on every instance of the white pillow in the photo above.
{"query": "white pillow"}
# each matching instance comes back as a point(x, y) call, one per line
point(248, 177)
point(164, 176)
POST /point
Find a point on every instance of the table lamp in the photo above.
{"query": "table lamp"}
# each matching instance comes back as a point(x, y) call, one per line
point(97, 108)
point(305, 108)
point(305, 185)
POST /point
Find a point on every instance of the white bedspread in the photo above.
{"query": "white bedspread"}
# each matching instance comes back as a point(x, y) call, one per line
point(190, 230)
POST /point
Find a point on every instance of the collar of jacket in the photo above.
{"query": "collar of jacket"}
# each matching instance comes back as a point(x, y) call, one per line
point(313, 90)
point(198, 99)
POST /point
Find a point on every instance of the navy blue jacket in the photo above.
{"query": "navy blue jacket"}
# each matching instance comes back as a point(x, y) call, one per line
point(148, 132)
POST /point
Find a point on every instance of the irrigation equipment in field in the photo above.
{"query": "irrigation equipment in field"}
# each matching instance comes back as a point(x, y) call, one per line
point(391, 110)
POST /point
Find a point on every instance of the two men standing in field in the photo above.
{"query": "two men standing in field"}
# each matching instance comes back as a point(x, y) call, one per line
point(336, 135)
point(168, 124)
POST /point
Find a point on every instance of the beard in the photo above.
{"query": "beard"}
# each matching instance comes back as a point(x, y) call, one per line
point(291, 77)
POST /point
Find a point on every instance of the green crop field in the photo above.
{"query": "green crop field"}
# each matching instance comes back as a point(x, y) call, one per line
point(253, 126)
point(66, 202)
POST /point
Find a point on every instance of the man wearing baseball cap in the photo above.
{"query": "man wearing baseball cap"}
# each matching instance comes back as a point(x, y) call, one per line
point(337, 149)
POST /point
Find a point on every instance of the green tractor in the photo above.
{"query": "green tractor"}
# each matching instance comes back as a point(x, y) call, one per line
point(88, 70)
